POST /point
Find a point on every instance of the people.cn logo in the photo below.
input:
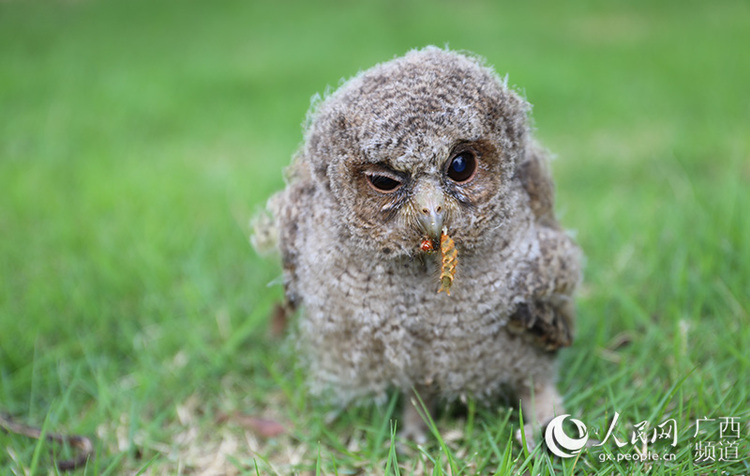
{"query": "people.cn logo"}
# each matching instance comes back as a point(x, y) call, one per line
point(559, 443)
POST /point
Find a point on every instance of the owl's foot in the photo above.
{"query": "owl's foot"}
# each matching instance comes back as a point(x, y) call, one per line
point(539, 407)
point(415, 427)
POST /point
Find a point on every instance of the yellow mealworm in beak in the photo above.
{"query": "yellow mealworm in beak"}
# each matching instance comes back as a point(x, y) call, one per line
point(449, 255)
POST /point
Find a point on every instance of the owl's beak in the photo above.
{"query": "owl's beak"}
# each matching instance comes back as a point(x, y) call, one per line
point(430, 204)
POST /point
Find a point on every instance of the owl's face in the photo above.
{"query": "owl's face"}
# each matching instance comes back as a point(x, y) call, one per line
point(430, 140)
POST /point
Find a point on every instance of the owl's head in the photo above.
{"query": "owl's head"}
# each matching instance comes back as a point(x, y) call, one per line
point(422, 142)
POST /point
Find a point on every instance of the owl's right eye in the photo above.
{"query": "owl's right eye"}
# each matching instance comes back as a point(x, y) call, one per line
point(383, 183)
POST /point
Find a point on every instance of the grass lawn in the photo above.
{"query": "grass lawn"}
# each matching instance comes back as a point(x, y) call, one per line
point(137, 138)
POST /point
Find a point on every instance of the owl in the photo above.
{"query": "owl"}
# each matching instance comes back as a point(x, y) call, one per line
point(426, 148)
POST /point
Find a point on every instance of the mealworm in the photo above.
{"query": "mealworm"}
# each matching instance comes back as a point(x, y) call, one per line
point(449, 255)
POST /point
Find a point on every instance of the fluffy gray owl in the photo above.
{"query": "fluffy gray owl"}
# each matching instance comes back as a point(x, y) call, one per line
point(429, 144)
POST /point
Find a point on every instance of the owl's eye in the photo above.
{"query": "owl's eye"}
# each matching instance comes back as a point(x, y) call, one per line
point(383, 183)
point(462, 167)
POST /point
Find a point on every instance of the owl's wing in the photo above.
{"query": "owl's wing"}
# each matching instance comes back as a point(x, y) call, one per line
point(545, 312)
point(266, 239)
point(549, 324)
point(544, 308)
point(278, 229)
point(288, 211)
point(537, 181)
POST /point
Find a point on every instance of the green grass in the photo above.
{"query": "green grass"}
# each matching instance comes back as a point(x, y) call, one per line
point(137, 139)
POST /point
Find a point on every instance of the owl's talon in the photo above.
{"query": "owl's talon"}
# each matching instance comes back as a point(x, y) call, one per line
point(540, 406)
point(529, 432)
point(415, 427)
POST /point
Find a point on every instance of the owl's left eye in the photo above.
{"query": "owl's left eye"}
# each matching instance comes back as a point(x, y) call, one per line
point(462, 167)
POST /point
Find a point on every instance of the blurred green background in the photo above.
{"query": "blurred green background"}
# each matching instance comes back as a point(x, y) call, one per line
point(137, 138)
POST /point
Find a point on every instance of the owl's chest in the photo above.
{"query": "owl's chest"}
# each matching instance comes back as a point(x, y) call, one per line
point(404, 294)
